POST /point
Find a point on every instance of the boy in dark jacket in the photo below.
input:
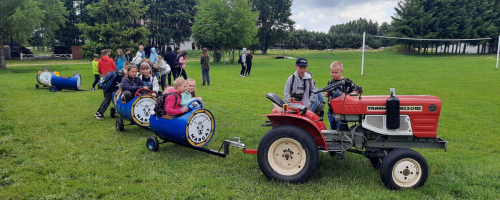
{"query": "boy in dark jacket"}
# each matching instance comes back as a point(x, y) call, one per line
point(105, 65)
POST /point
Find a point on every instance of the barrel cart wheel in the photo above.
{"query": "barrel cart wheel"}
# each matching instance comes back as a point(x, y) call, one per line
point(53, 89)
point(37, 86)
point(119, 124)
point(404, 168)
point(287, 153)
point(112, 112)
point(152, 143)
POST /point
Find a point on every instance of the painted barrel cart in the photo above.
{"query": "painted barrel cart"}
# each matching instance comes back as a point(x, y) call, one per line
point(55, 82)
point(44, 77)
point(137, 110)
point(193, 129)
point(65, 82)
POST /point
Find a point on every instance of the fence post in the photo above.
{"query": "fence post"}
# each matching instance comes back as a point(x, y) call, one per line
point(498, 50)
point(363, 55)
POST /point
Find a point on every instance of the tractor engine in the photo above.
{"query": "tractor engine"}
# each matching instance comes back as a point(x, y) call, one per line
point(383, 122)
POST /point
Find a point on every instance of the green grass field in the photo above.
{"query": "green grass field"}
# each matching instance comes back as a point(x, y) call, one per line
point(52, 147)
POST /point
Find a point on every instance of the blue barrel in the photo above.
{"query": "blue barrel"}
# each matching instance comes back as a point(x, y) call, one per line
point(194, 128)
point(66, 82)
point(137, 110)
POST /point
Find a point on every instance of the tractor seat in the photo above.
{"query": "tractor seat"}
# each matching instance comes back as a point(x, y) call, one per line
point(278, 101)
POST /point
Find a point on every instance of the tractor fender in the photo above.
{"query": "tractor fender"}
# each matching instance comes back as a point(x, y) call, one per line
point(312, 127)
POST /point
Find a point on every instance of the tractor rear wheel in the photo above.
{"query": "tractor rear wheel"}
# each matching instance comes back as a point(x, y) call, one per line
point(53, 89)
point(119, 124)
point(287, 153)
point(404, 168)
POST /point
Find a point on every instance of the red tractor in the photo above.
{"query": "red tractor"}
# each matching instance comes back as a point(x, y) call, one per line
point(383, 129)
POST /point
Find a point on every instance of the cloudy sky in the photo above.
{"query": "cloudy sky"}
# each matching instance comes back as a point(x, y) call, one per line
point(319, 15)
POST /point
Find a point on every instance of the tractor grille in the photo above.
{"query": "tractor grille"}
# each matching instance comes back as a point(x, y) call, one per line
point(377, 124)
point(376, 121)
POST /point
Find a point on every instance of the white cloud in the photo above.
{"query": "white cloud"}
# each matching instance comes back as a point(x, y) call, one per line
point(320, 15)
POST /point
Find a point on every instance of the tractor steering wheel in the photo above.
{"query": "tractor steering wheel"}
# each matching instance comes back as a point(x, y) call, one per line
point(194, 104)
point(140, 91)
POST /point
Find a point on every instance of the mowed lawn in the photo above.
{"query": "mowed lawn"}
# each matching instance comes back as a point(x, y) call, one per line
point(52, 147)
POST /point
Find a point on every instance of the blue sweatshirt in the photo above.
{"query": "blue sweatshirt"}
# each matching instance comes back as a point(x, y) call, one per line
point(133, 85)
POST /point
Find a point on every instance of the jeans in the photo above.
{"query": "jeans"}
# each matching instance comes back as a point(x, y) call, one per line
point(243, 68)
point(96, 79)
point(249, 67)
point(334, 124)
point(164, 81)
point(206, 76)
point(108, 94)
point(183, 73)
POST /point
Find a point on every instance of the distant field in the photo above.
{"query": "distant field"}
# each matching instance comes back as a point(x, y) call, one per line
point(52, 147)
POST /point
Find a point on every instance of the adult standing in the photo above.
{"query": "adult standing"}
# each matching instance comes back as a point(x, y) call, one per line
point(119, 59)
point(299, 85)
point(170, 59)
point(243, 62)
point(128, 56)
point(249, 58)
point(141, 50)
point(105, 65)
point(182, 62)
point(205, 66)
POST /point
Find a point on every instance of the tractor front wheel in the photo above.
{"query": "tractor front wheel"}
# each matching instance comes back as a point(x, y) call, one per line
point(37, 86)
point(404, 168)
point(287, 153)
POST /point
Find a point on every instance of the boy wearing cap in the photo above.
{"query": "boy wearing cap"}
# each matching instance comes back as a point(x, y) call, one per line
point(299, 85)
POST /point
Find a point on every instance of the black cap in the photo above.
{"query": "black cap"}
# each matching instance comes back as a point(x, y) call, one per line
point(301, 62)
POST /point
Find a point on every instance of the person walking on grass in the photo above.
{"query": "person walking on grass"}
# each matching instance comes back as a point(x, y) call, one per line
point(128, 56)
point(249, 58)
point(243, 62)
point(105, 65)
point(141, 50)
point(170, 58)
point(205, 66)
point(95, 71)
point(182, 62)
point(119, 59)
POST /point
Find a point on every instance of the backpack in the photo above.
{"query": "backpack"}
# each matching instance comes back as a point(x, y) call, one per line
point(108, 80)
point(239, 60)
point(160, 104)
point(176, 62)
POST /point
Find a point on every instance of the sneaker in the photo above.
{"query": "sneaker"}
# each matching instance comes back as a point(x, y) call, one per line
point(98, 115)
point(92, 88)
point(243, 76)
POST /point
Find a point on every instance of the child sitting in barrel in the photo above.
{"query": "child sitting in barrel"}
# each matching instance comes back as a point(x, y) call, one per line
point(189, 95)
point(148, 80)
point(173, 102)
point(130, 83)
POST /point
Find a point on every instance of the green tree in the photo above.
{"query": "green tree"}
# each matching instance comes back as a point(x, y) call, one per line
point(222, 24)
point(116, 24)
point(20, 18)
point(170, 20)
point(273, 22)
